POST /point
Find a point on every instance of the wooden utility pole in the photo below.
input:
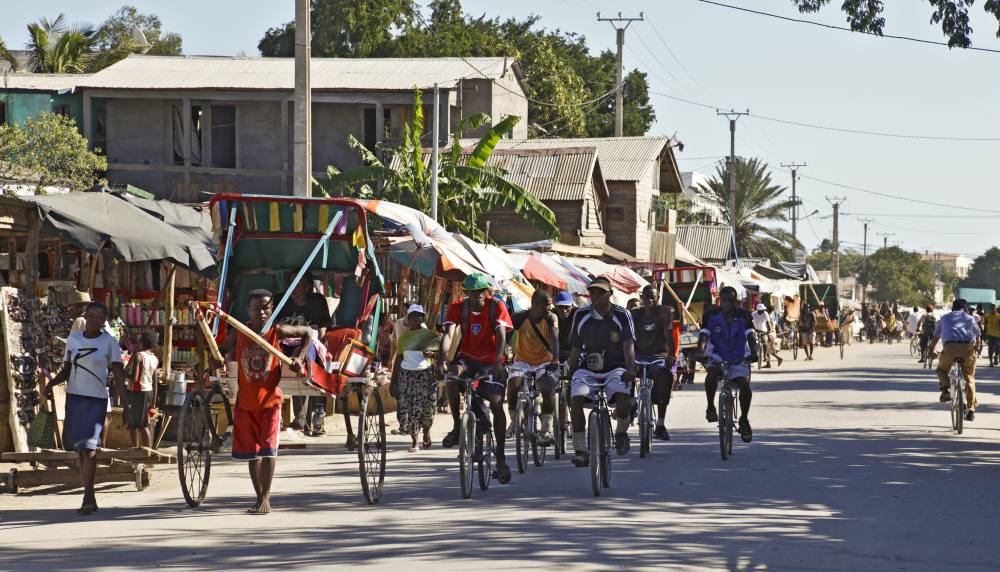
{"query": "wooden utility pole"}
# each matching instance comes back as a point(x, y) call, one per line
point(732, 116)
point(835, 255)
point(619, 77)
point(794, 168)
point(302, 131)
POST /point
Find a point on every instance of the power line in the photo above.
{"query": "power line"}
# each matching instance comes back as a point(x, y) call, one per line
point(897, 197)
point(671, 52)
point(655, 57)
point(836, 129)
point(844, 29)
point(897, 215)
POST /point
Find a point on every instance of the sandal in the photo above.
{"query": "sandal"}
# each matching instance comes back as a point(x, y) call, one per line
point(426, 444)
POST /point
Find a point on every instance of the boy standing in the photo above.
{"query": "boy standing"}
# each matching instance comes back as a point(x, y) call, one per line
point(257, 415)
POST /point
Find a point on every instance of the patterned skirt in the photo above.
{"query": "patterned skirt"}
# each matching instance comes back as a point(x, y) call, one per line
point(417, 400)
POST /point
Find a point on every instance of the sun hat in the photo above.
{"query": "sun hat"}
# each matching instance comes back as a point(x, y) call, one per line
point(761, 307)
point(415, 309)
point(76, 297)
point(564, 299)
point(600, 283)
point(476, 281)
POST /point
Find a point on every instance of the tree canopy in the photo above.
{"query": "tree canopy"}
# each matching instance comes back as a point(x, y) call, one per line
point(899, 276)
point(114, 40)
point(50, 151)
point(952, 15)
point(985, 271)
point(569, 89)
point(850, 260)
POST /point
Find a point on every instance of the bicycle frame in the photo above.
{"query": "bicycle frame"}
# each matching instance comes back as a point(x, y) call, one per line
point(645, 404)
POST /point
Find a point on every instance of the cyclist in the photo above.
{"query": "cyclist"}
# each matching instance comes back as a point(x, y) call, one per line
point(958, 330)
point(536, 350)
point(993, 335)
point(765, 327)
point(484, 323)
point(604, 336)
point(925, 328)
point(654, 340)
point(730, 332)
point(564, 310)
point(807, 331)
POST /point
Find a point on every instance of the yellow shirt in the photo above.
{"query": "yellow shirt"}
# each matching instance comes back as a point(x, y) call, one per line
point(993, 325)
point(528, 347)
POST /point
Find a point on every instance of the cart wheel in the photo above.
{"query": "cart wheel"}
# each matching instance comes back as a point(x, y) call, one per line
point(141, 477)
point(12, 481)
point(194, 448)
point(371, 444)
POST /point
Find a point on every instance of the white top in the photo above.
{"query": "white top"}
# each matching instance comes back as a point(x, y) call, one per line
point(911, 322)
point(89, 360)
point(760, 321)
point(415, 361)
point(146, 369)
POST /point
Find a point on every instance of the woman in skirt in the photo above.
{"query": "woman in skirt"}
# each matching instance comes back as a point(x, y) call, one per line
point(414, 382)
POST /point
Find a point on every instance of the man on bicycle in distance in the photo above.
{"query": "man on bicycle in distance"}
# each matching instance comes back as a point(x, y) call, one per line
point(764, 326)
point(925, 329)
point(727, 334)
point(654, 340)
point(807, 330)
point(484, 323)
point(958, 331)
point(603, 334)
point(536, 349)
point(993, 335)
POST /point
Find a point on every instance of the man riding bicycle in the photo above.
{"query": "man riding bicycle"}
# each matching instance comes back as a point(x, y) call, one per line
point(654, 340)
point(484, 323)
point(536, 350)
point(958, 331)
point(925, 329)
point(764, 327)
point(727, 335)
point(603, 349)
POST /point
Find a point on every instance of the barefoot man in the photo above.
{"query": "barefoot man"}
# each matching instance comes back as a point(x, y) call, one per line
point(257, 416)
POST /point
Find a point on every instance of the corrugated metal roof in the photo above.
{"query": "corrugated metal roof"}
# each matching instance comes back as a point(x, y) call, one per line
point(622, 158)
point(709, 242)
point(42, 81)
point(346, 74)
point(559, 175)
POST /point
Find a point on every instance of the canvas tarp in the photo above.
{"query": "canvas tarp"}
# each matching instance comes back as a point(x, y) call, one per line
point(95, 221)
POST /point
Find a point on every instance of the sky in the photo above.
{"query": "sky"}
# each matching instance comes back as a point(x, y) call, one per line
point(776, 69)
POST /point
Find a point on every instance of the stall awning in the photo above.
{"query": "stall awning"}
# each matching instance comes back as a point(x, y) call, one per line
point(94, 221)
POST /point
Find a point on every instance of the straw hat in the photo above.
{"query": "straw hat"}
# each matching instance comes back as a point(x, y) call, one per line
point(76, 297)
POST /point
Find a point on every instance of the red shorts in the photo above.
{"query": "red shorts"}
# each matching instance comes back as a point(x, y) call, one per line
point(255, 433)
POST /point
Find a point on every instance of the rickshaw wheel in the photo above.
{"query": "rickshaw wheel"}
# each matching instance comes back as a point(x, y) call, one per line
point(194, 448)
point(372, 444)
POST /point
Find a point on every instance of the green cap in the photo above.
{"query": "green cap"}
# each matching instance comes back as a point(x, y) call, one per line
point(476, 281)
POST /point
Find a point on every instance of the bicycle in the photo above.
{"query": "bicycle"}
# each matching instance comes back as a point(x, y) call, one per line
point(527, 418)
point(956, 376)
point(561, 430)
point(728, 402)
point(475, 445)
point(645, 405)
point(198, 438)
point(914, 346)
point(600, 440)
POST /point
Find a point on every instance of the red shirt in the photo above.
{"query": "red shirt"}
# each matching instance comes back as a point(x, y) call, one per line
point(480, 342)
point(259, 373)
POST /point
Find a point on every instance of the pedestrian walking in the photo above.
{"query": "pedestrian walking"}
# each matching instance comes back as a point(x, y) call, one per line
point(139, 399)
point(414, 379)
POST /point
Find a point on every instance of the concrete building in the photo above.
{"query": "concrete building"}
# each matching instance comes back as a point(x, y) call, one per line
point(636, 170)
point(701, 204)
point(181, 126)
point(25, 95)
point(954, 263)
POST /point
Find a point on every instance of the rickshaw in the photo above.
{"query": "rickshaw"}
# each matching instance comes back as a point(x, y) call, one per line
point(266, 240)
point(828, 321)
point(688, 290)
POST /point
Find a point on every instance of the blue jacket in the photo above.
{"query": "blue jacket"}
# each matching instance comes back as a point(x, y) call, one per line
point(728, 341)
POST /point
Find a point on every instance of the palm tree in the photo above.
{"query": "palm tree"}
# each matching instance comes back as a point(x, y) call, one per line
point(8, 56)
point(758, 201)
point(58, 48)
point(467, 187)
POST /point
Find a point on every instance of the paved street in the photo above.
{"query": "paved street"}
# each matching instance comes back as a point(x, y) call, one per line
point(853, 467)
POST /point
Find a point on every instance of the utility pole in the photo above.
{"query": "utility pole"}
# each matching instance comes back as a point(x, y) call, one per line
point(620, 24)
point(794, 168)
point(732, 116)
point(885, 238)
point(302, 135)
point(434, 153)
point(864, 259)
point(835, 255)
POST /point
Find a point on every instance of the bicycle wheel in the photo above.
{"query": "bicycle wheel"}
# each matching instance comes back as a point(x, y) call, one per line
point(466, 445)
point(521, 416)
point(840, 341)
point(594, 451)
point(559, 446)
point(645, 423)
point(795, 347)
point(194, 448)
point(605, 449)
point(725, 424)
point(538, 450)
point(486, 461)
point(371, 444)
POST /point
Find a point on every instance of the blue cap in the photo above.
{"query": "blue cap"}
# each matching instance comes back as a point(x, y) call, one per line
point(564, 299)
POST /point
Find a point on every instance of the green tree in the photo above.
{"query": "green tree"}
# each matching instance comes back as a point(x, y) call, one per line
point(850, 260)
point(899, 276)
point(114, 40)
point(758, 202)
point(949, 281)
point(49, 149)
point(467, 187)
point(6, 55)
point(985, 271)
point(59, 48)
point(952, 15)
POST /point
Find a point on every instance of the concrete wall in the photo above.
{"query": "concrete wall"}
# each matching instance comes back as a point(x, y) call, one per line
point(140, 131)
point(22, 106)
point(507, 103)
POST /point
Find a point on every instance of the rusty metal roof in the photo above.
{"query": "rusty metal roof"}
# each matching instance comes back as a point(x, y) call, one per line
point(340, 74)
point(706, 241)
point(54, 82)
point(622, 158)
point(551, 174)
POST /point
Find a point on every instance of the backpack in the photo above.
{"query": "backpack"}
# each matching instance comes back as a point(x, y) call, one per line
point(930, 322)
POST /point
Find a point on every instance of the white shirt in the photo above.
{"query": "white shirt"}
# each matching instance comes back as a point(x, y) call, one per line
point(761, 321)
point(89, 360)
point(147, 365)
point(911, 322)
